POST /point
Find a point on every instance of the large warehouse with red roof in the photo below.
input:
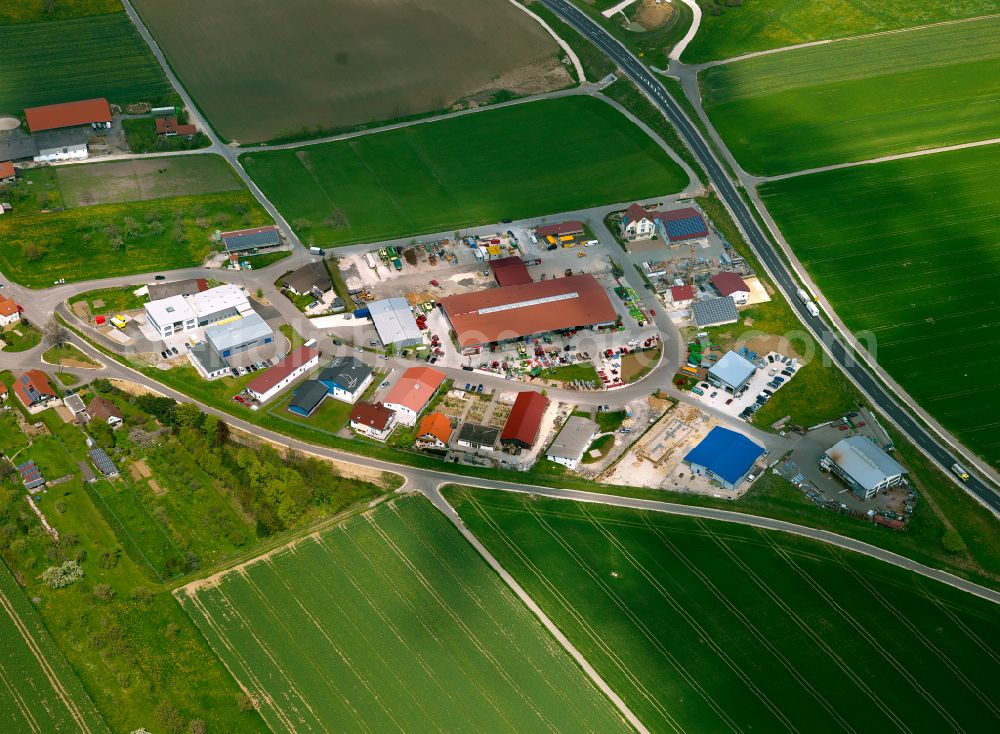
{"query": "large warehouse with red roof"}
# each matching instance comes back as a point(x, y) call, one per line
point(68, 114)
point(517, 311)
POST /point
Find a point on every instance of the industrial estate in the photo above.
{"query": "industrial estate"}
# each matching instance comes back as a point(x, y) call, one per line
point(581, 375)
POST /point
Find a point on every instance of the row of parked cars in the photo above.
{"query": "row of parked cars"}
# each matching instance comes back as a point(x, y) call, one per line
point(262, 365)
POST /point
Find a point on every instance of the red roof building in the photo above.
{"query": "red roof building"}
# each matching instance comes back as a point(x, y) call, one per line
point(521, 429)
point(517, 311)
point(372, 419)
point(270, 382)
point(435, 429)
point(731, 284)
point(7, 171)
point(68, 114)
point(7, 308)
point(412, 393)
point(510, 271)
point(681, 293)
point(168, 127)
point(678, 225)
point(560, 228)
point(33, 388)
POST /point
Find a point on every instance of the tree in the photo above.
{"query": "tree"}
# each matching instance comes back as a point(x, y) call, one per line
point(33, 251)
point(187, 414)
point(170, 717)
point(952, 542)
point(56, 334)
point(215, 430)
point(244, 702)
point(196, 726)
point(57, 577)
point(103, 592)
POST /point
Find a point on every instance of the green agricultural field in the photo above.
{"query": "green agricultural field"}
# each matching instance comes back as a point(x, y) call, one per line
point(120, 239)
point(38, 689)
point(391, 621)
point(66, 60)
point(859, 99)
point(465, 171)
point(262, 70)
point(704, 626)
point(741, 28)
point(906, 251)
point(117, 182)
point(32, 11)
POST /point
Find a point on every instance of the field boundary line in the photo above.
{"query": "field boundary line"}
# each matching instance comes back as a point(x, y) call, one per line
point(872, 161)
point(438, 500)
point(828, 41)
point(578, 67)
point(817, 639)
point(584, 625)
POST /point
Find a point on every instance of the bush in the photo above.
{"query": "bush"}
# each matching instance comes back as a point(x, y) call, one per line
point(103, 592)
point(952, 542)
point(58, 577)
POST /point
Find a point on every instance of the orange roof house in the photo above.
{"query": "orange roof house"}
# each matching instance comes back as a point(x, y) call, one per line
point(68, 114)
point(413, 391)
point(7, 170)
point(435, 428)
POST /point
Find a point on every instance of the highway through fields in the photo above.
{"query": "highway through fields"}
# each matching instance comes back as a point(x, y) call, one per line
point(939, 450)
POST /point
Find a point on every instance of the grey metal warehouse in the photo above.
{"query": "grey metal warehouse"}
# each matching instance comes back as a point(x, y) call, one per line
point(864, 467)
point(732, 372)
point(394, 322)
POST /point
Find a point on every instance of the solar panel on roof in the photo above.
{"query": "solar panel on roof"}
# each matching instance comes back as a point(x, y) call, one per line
point(250, 240)
point(103, 462)
point(687, 227)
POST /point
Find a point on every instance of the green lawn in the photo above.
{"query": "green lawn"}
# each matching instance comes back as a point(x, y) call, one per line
point(115, 300)
point(257, 262)
point(906, 252)
point(160, 234)
point(610, 420)
point(19, 337)
point(706, 626)
point(859, 99)
point(38, 690)
point(56, 355)
point(570, 372)
point(465, 171)
point(603, 444)
point(79, 58)
point(392, 621)
point(739, 28)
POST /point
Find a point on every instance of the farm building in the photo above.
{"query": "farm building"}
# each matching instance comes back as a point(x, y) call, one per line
point(103, 462)
point(74, 403)
point(681, 225)
point(101, 409)
point(257, 238)
point(17, 146)
point(571, 227)
point(517, 311)
point(346, 378)
point(731, 373)
point(475, 436)
point(311, 278)
point(237, 337)
point(175, 314)
point(61, 145)
point(724, 456)
point(525, 419)
point(33, 388)
point(637, 224)
point(271, 382)
point(681, 296)
point(434, 431)
point(864, 467)
point(308, 395)
point(412, 392)
point(394, 322)
point(510, 271)
point(714, 312)
point(574, 438)
point(69, 115)
point(732, 285)
point(9, 312)
point(374, 420)
point(168, 127)
point(7, 172)
point(159, 291)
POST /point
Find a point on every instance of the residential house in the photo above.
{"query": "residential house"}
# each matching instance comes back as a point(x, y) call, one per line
point(8, 174)
point(411, 394)
point(74, 403)
point(475, 436)
point(682, 295)
point(637, 224)
point(9, 312)
point(102, 409)
point(4, 393)
point(373, 420)
point(168, 127)
point(34, 389)
point(434, 431)
point(733, 286)
point(311, 278)
point(346, 378)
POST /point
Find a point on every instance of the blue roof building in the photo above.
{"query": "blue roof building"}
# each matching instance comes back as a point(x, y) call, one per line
point(725, 456)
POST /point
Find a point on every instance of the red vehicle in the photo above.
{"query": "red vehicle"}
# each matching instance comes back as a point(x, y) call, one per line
point(435, 283)
point(652, 312)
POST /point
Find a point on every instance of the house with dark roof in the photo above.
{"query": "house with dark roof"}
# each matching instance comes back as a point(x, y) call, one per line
point(732, 285)
point(61, 145)
point(34, 389)
point(241, 240)
point(311, 278)
point(521, 429)
point(637, 224)
point(373, 420)
point(308, 395)
point(101, 409)
point(434, 431)
point(103, 462)
point(346, 378)
point(724, 456)
point(188, 287)
point(475, 436)
point(714, 312)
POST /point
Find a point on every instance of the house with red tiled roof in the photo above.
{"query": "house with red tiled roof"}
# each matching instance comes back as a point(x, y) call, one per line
point(413, 392)
point(681, 295)
point(3, 392)
point(638, 224)
point(168, 127)
point(7, 172)
point(374, 420)
point(434, 431)
point(9, 312)
point(34, 389)
point(731, 284)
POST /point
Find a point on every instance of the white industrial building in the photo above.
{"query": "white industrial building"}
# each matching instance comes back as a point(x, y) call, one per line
point(864, 467)
point(173, 315)
point(61, 145)
point(239, 335)
point(394, 322)
point(571, 443)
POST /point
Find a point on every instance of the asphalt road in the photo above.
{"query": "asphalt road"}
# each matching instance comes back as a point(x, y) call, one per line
point(840, 353)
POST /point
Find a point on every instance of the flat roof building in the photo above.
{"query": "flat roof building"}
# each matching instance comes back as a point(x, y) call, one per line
point(525, 419)
point(394, 322)
point(571, 443)
point(518, 311)
point(714, 312)
point(239, 335)
point(175, 314)
point(732, 373)
point(68, 114)
point(724, 456)
point(251, 239)
point(864, 467)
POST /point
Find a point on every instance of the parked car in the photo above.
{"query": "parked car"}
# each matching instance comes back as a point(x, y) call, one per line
point(160, 277)
point(480, 388)
point(729, 401)
point(714, 393)
point(173, 350)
